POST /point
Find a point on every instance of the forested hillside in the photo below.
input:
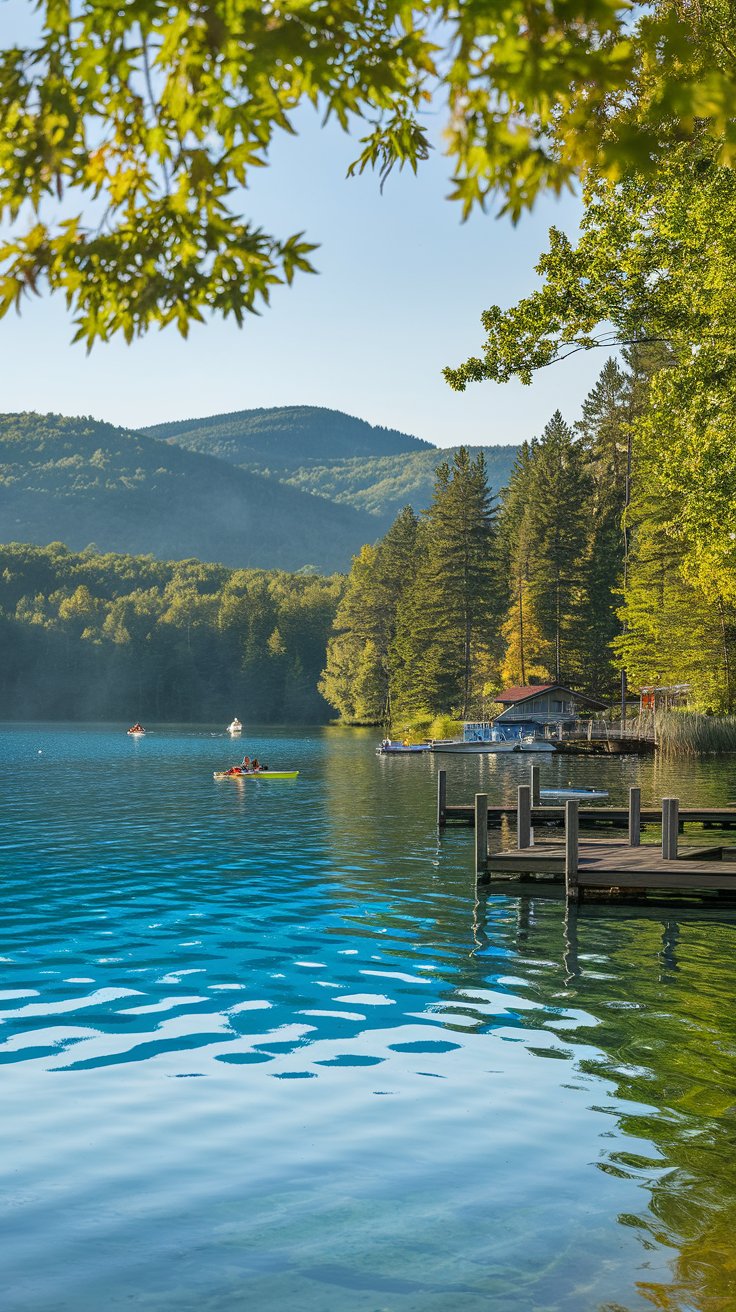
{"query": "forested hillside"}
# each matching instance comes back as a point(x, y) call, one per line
point(91, 636)
point(385, 485)
point(331, 454)
point(286, 435)
point(79, 481)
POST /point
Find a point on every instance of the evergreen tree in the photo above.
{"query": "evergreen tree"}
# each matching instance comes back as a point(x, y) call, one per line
point(558, 540)
point(448, 627)
point(358, 677)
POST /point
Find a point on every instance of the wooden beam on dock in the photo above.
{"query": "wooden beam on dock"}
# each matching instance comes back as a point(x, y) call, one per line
point(523, 816)
point(634, 817)
point(534, 785)
point(442, 799)
point(481, 832)
point(571, 848)
point(670, 828)
point(604, 816)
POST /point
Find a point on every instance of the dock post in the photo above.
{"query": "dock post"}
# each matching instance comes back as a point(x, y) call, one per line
point(441, 798)
point(670, 827)
point(534, 784)
point(523, 816)
point(481, 832)
point(634, 817)
point(665, 828)
point(572, 890)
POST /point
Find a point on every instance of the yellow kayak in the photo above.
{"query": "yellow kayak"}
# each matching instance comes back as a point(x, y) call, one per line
point(256, 774)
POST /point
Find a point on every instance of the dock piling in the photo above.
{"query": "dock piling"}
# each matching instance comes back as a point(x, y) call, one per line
point(441, 799)
point(670, 827)
point(571, 849)
point(523, 816)
point(534, 785)
point(634, 817)
point(481, 832)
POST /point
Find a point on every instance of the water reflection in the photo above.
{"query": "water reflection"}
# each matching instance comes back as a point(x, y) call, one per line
point(279, 1043)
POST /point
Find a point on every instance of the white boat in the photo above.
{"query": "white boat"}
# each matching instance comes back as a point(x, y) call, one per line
point(491, 738)
point(585, 794)
point(234, 728)
point(387, 748)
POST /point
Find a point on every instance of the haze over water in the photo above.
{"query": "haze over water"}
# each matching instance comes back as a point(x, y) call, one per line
point(261, 1045)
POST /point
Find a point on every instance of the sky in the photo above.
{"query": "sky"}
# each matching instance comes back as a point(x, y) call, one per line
point(401, 286)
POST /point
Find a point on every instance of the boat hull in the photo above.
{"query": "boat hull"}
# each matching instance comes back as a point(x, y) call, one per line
point(257, 774)
point(466, 749)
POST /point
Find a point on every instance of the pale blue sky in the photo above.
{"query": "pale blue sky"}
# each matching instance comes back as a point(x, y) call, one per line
point(401, 287)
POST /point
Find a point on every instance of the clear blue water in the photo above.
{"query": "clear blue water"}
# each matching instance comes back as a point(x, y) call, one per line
point(262, 1045)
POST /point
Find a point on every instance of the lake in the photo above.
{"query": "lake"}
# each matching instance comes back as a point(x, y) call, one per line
point(263, 1046)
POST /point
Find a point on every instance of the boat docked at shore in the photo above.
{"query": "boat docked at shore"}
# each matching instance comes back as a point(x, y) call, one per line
point(483, 737)
point(388, 748)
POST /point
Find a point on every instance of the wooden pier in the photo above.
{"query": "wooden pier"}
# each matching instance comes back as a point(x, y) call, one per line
point(597, 867)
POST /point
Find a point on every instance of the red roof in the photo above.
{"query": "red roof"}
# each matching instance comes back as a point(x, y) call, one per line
point(519, 694)
point(513, 695)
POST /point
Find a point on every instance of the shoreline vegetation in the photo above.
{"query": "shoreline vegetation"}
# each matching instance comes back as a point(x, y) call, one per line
point(547, 583)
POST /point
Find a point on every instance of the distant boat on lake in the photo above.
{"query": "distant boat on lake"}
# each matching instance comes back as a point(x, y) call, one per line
point(137, 731)
point(234, 728)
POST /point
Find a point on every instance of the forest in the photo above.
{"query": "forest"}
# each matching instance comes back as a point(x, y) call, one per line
point(572, 574)
point(92, 636)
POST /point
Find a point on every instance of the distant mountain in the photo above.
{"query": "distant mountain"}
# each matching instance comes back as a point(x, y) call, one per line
point(285, 435)
point(383, 486)
point(329, 454)
point(79, 481)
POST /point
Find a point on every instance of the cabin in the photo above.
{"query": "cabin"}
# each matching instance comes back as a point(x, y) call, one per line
point(541, 706)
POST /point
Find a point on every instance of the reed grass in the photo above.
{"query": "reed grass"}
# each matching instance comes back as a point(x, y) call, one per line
point(685, 733)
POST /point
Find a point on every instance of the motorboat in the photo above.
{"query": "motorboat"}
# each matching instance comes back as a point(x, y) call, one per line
point(234, 728)
point(388, 748)
point(237, 772)
point(137, 731)
point(585, 794)
point(492, 738)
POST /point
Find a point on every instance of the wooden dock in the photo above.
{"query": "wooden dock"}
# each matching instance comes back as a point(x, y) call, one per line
point(612, 868)
point(613, 817)
point(596, 866)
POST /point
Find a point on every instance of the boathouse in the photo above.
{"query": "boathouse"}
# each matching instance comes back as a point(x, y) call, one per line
point(545, 705)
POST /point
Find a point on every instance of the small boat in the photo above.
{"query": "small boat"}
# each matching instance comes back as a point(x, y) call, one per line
point(137, 731)
point(387, 748)
point(237, 772)
point(586, 794)
point(490, 739)
point(234, 728)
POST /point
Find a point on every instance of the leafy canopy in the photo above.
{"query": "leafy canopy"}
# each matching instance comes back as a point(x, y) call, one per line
point(144, 120)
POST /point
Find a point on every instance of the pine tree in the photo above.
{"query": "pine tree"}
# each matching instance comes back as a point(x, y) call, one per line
point(558, 539)
point(448, 626)
point(359, 673)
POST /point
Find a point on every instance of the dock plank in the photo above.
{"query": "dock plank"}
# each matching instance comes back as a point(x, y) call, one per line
point(716, 817)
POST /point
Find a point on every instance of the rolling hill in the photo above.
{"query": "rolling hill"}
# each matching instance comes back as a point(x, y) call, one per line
point(80, 481)
point(285, 435)
point(330, 454)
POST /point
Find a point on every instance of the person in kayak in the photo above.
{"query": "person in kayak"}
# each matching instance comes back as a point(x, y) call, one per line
point(255, 765)
point(246, 765)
